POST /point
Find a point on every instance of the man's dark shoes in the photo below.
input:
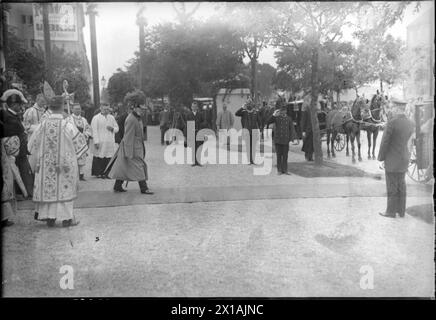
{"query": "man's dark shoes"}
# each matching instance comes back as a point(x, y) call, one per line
point(82, 178)
point(6, 223)
point(119, 190)
point(387, 215)
point(69, 223)
point(147, 191)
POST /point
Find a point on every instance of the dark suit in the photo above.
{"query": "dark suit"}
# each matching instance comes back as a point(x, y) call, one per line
point(164, 124)
point(200, 123)
point(12, 126)
point(284, 133)
point(306, 126)
point(250, 120)
point(395, 154)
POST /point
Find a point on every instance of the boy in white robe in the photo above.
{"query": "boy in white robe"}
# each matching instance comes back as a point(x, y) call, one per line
point(57, 144)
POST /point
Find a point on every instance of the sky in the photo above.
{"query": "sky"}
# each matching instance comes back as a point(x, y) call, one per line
point(117, 32)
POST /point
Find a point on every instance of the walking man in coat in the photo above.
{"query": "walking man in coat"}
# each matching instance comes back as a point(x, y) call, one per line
point(104, 127)
point(251, 121)
point(128, 164)
point(57, 144)
point(283, 134)
point(395, 154)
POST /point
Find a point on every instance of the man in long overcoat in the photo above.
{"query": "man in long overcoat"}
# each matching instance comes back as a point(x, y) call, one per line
point(200, 123)
point(396, 155)
point(128, 163)
point(306, 129)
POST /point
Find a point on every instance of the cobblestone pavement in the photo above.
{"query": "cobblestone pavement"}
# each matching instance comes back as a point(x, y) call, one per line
point(309, 242)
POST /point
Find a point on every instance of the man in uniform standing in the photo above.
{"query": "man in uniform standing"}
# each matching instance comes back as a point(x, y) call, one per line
point(283, 134)
point(395, 154)
point(251, 121)
point(128, 164)
point(164, 124)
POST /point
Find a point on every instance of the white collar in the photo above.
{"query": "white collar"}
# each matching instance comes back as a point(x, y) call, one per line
point(38, 107)
point(77, 117)
point(56, 115)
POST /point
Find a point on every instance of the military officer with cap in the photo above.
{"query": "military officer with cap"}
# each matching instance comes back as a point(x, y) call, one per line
point(395, 154)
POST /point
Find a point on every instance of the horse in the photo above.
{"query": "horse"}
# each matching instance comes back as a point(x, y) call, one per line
point(348, 122)
point(352, 125)
point(334, 126)
point(372, 121)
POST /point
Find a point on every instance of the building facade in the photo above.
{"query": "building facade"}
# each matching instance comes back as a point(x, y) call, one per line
point(66, 20)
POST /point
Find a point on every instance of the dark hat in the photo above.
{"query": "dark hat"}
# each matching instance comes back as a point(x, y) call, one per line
point(56, 102)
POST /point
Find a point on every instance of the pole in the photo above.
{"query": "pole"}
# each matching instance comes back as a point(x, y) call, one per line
point(141, 56)
point(47, 43)
point(94, 60)
point(4, 45)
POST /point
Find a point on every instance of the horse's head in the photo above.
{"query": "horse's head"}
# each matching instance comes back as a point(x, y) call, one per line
point(376, 106)
point(358, 106)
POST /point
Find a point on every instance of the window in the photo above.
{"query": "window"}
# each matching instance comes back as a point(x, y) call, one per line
point(30, 19)
point(32, 43)
point(23, 19)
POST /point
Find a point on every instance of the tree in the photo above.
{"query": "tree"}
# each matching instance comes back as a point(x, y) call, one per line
point(120, 83)
point(136, 97)
point(183, 60)
point(309, 26)
point(254, 23)
point(29, 67)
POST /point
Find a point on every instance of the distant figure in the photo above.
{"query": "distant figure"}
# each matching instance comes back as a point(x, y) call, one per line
point(104, 128)
point(225, 121)
point(164, 124)
point(200, 123)
point(32, 116)
point(85, 129)
point(307, 132)
point(395, 154)
point(57, 145)
point(250, 120)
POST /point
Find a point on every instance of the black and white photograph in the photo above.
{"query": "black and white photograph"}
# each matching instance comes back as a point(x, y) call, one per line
point(217, 149)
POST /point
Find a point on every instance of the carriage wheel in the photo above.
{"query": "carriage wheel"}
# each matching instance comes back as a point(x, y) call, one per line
point(339, 143)
point(416, 174)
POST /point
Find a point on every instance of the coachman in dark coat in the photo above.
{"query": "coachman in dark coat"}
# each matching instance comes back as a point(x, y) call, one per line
point(396, 156)
point(306, 129)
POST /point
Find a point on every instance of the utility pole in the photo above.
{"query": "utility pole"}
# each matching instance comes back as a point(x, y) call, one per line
point(4, 46)
point(141, 22)
point(92, 12)
point(47, 43)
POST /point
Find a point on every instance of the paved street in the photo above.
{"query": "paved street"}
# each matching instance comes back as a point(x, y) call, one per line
point(219, 230)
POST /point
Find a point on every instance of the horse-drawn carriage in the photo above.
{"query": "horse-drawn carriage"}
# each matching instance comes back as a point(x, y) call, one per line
point(421, 160)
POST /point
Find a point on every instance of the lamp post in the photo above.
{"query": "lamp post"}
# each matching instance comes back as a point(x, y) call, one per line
point(47, 45)
point(142, 23)
point(92, 12)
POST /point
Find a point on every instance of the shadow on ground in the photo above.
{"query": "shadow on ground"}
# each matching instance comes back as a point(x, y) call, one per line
point(424, 212)
point(328, 169)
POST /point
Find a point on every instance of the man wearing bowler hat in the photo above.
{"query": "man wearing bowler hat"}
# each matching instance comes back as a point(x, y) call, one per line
point(395, 154)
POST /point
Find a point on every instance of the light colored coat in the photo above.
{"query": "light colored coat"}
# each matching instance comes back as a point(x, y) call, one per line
point(128, 163)
point(225, 120)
